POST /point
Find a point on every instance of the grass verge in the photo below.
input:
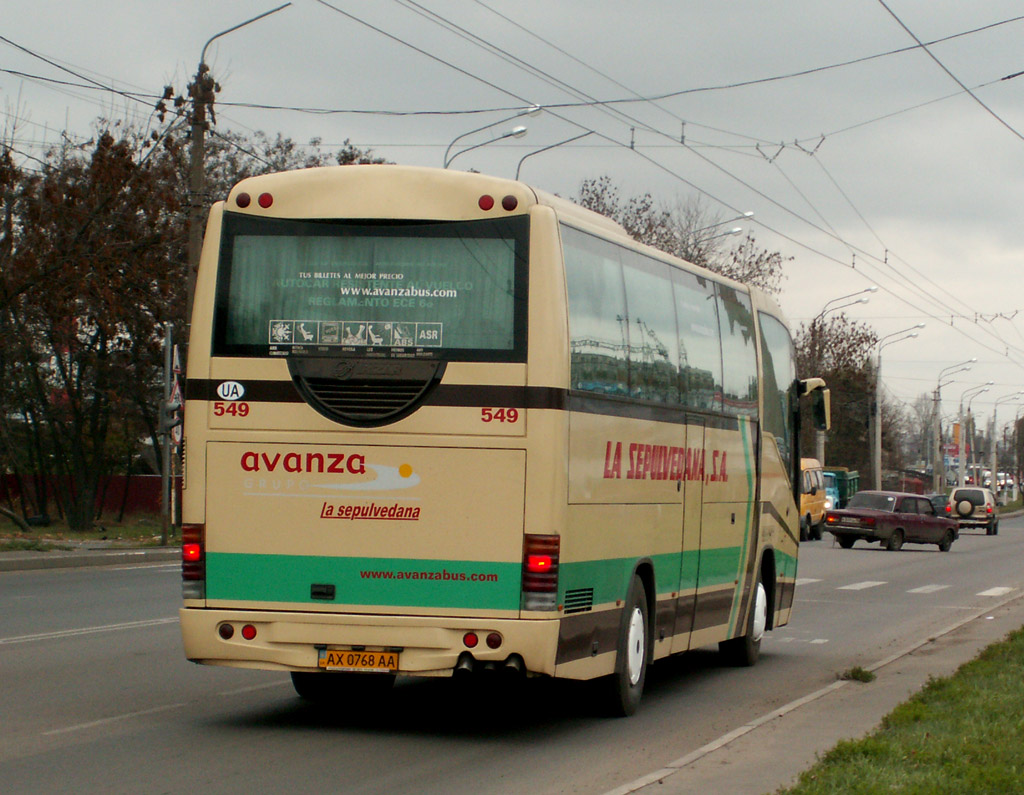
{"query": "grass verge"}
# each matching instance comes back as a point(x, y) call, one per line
point(961, 733)
point(139, 530)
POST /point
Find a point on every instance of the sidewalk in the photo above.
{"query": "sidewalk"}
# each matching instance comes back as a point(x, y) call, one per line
point(771, 751)
point(89, 553)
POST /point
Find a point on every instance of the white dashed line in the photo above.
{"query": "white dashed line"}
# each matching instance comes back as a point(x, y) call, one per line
point(928, 589)
point(806, 580)
point(860, 586)
point(1000, 591)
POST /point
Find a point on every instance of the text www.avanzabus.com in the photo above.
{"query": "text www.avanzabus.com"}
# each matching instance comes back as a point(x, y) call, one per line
point(443, 576)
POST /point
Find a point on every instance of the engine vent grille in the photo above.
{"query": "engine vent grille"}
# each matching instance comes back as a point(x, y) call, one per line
point(364, 392)
point(579, 600)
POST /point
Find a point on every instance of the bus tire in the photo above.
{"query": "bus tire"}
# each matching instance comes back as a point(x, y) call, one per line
point(624, 688)
point(324, 687)
point(745, 650)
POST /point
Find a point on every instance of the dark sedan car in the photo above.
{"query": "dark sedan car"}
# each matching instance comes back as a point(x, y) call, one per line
point(891, 518)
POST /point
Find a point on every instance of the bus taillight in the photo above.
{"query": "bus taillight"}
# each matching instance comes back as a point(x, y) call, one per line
point(540, 572)
point(193, 561)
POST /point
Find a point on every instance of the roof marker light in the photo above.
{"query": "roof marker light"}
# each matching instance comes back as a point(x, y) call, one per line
point(510, 203)
point(265, 200)
point(486, 202)
point(243, 200)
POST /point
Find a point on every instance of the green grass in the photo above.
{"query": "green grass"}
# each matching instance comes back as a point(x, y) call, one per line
point(959, 734)
point(138, 530)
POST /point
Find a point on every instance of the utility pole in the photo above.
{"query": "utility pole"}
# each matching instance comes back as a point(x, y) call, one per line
point(203, 90)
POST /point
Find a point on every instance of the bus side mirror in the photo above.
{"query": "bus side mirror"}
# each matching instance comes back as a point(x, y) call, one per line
point(821, 409)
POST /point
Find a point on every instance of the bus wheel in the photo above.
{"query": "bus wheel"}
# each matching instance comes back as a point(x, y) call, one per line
point(322, 687)
point(626, 686)
point(744, 650)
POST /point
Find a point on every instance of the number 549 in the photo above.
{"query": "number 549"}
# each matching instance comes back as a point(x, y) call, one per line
point(499, 415)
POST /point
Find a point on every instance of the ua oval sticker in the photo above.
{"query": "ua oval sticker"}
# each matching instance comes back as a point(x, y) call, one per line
point(230, 390)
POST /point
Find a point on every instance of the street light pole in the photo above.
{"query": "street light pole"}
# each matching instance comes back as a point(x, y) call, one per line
point(876, 437)
point(533, 110)
point(516, 132)
point(976, 390)
point(993, 457)
point(203, 91)
point(954, 368)
point(819, 436)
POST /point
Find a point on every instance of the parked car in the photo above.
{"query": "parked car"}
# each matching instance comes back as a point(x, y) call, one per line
point(812, 499)
point(891, 518)
point(975, 507)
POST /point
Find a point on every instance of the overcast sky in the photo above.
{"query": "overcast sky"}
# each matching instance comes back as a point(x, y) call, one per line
point(868, 159)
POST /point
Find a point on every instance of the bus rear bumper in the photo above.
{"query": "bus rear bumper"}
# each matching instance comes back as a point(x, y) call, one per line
point(427, 645)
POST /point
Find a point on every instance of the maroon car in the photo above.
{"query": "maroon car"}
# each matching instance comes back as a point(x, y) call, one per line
point(892, 518)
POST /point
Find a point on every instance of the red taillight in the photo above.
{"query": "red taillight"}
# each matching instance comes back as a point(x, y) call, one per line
point(988, 509)
point(831, 518)
point(193, 561)
point(470, 640)
point(248, 632)
point(540, 571)
point(869, 521)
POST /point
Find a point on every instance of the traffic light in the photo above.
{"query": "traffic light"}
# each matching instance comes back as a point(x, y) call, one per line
point(170, 415)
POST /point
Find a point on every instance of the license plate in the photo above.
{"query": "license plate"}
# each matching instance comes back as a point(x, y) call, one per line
point(347, 660)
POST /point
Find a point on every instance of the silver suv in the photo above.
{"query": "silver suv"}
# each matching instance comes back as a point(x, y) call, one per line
point(975, 507)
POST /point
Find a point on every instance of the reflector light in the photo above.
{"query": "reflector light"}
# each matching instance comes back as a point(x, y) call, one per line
point(493, 640)
point(243, 200)
point(486, 202)
point(470, 640)
point(226, 631)
point(248, 632)
point(190, 553)
point(265, 200)
point(510, 203)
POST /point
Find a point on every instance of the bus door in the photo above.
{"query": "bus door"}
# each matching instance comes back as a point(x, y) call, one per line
point(692, 493)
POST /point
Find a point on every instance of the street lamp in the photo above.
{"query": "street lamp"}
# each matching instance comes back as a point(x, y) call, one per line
point(533, 110)
point(552, 146)
point(743, 216)
point(976, 390)
point(1004, 399)
point(937, 457)
point(516, 132)
point(816, 353)
point(876, 437)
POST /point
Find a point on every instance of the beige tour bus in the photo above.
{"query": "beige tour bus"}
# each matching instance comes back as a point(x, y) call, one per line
point(440, 423)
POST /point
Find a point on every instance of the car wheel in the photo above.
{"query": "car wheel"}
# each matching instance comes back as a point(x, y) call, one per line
point(895, 542)
point(846, 543)
point(947, 541)
point(817, 530)
point(805, 531)
point(995, 529)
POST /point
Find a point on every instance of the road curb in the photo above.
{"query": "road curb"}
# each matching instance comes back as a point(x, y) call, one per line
point(28, 561)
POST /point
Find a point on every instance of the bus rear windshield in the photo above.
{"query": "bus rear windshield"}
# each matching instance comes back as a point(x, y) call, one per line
point(450, 290)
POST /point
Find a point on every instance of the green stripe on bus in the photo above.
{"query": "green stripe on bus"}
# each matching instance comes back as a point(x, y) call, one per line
point(672, 572)
point(389, 582)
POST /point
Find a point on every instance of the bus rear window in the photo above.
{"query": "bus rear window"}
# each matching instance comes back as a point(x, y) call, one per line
point(447, 290)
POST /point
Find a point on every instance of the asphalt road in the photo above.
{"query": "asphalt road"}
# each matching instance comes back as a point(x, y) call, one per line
point(96, 696)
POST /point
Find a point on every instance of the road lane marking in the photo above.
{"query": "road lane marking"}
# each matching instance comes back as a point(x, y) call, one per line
point(113, 719)
point(806, 580)
point(928, 589)
point(998, 591)
point(860, 586)
point(68, 633)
